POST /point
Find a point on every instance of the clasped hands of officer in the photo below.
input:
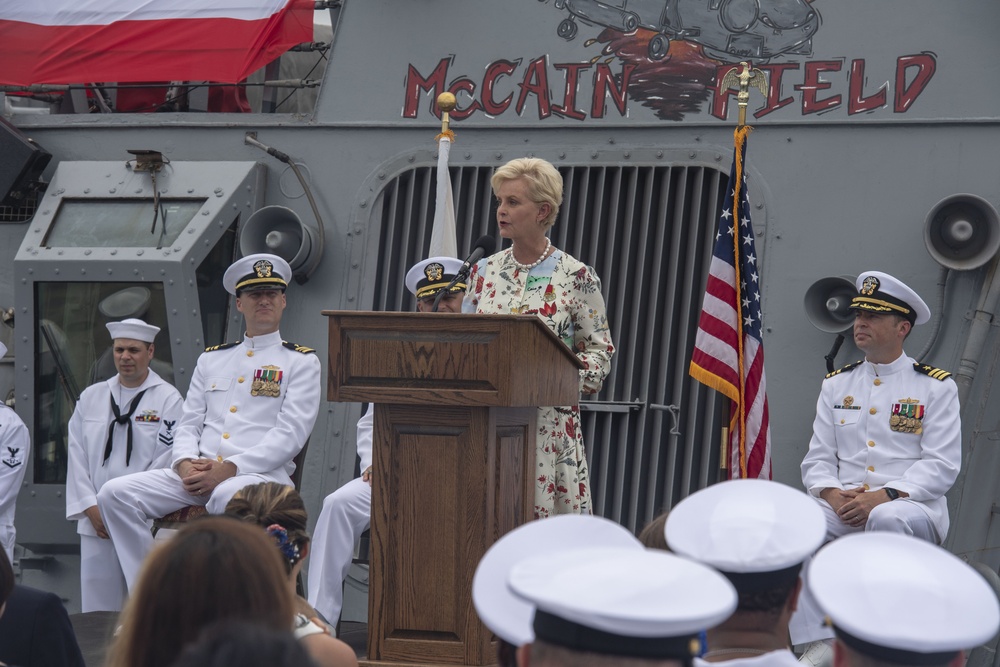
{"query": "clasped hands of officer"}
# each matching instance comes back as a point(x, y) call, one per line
point(201, 476)
point(853, 506)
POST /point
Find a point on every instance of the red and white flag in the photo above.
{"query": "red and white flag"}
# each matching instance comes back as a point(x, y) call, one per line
point(81, 41)
point(728, 349)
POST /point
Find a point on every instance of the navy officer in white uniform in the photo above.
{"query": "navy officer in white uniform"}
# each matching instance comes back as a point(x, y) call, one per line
point(120, 426)
point(887, 437)
point(14, 447)
point(249, 410)
point(346, 512)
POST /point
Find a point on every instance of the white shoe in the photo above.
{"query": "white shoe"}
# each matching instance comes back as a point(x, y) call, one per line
point(818, 653)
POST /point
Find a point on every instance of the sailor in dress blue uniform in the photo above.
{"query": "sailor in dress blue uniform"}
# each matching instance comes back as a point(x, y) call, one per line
point(249, 410)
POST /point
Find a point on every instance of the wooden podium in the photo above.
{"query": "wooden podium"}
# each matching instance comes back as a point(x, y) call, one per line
point(454, 444)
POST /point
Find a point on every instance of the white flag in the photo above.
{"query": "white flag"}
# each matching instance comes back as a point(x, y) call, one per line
point(443, 243)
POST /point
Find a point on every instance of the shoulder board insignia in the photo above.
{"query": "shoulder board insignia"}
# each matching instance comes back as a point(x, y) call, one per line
point(936, 373)
point(298, 348)
point(224, 346)
point(846, 369)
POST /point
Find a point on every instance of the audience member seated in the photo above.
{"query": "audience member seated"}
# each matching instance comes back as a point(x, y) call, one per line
point(279, 510)
point(34, 627)
point(247, 645)
point(214, 569)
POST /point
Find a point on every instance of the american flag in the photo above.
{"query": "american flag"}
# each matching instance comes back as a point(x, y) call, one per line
point(728, 350)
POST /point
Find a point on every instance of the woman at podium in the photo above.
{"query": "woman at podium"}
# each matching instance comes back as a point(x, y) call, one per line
point(534, 277)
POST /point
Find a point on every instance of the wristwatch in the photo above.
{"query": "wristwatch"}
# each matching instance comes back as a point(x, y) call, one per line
point(892, 493)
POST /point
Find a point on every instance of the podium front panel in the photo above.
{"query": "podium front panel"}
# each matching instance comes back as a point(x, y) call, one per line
point(448, 481)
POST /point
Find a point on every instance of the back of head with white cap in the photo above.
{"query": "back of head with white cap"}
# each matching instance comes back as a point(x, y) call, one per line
point(756, 532)
point(617, 602)
point(901, 600)
point(560, 537)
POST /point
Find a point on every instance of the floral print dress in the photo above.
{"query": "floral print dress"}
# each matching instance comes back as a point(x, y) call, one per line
point(566, 294)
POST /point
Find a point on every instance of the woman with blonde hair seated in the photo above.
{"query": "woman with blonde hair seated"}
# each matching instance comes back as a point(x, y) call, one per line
point(279, 510)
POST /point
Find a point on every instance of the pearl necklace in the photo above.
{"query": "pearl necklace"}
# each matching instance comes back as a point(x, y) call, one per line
point(541, 258)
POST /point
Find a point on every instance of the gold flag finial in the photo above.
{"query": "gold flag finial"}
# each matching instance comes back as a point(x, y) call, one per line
point(744, 79)
point(446, 102)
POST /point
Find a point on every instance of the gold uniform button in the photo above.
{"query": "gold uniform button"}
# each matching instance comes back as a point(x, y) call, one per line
point(872, 411)
point(213, 385)
point(232, 409)
point(877, 382)
point(841, 421)
point(240, 379)
point(871, 468)
point(249, 353)
point(225, 436)
point(871, 443)
point(219, 457)
point(867, 488)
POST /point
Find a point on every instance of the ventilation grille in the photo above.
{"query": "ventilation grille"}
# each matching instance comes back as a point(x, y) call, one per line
point(653, 433)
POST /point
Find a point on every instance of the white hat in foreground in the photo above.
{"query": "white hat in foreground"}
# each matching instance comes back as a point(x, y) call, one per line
point(746, 526)
point(427, 278)
point(623, 602)
point(902, 599)
point(133, 329)
point(559, 538)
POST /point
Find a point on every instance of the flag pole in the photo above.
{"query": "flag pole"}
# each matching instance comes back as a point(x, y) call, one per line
point(444, 241)
point(743, 79)
point(446, 103)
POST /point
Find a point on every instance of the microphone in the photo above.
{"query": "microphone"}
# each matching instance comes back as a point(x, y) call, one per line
point(484, 246)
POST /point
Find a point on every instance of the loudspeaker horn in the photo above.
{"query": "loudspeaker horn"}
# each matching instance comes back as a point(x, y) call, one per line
point(279, 231)
point(962, 232)
point(827, 303)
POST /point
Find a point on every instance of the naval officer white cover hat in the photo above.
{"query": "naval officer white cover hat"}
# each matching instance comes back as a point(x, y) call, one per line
point(509, 616)
point(881, 293)
point(901, 599)
point(256, 272)
point(623, 602)
point(134, 329)
point(747, 527)
point(432, 275)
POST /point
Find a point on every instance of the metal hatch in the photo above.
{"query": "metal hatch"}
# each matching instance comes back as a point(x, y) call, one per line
point(143, 238)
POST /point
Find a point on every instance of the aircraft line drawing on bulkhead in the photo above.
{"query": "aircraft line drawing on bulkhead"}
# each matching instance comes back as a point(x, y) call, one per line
point(757, 29)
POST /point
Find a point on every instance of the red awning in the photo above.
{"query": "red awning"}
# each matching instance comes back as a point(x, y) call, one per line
point(69, 41)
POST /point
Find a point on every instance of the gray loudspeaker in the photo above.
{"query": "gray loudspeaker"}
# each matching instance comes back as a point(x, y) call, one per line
point(962, 232)
point(279, 231)
point(827, 304)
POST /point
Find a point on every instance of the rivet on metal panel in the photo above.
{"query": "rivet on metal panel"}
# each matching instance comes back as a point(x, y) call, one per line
point(411, 158)
point(760, 232)
point(86, 191)
point(594, 155)
point(354, 265)
point(718, 158)
point(659, 153)
point(110, 271)
point(114, 252)
point(139, 252)
point(697, 138)
point(626, 155)
point(336, 434)
point(86, 252)
point(113, 190)
point(190, 190)
point(138, 191)
point(498, 156)
point(57, 272)
point(174, 311)
point(170, 282)
point(218, 192)
point(37, 230)
point(381, 176)
point(611, 140)
point(562, 156)
point(30, 271)
point(692, 154)
point(182, 371)
point(195, 313)
point(163, 272)
point(468, 156)
point(191, 230)
point(46, 211)
point(24, 309)
point(83, 272)
point(60, 253)
point(206, 213)
point(135, 272)
point(350, 298)
point(357, 230)
point(759, 206)
point(364, 204)
point(788, 139)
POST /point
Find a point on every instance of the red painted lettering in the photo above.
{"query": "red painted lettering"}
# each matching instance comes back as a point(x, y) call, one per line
point(536, 82)
point(856, 100)
point(774, 100)
point(494, 72)
point(460, 86)
point(905, 96)
point(568, 108)
point(415, 83)
point(812, 84)
point(604, 85)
